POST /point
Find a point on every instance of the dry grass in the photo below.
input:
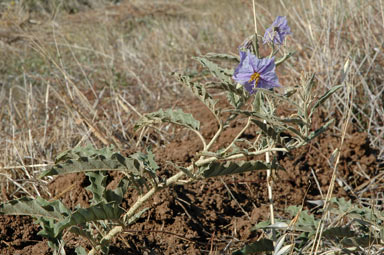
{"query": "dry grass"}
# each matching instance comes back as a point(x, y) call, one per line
point(64, 86)
point(70, 79)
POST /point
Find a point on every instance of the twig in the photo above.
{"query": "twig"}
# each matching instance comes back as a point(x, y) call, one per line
point(131, 212)
point(211, 241)
point(240, 155)
point(70, 187)
point(121, 101)
point(201, 139)
point(172, 180)
point(317, 183)
point(25, 166)
point(270, 194)
point(17, 184)
point(254, 15)
point(215, 136)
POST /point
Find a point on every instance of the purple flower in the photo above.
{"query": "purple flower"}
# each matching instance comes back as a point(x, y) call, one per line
point(255, 73)
point(278, 31)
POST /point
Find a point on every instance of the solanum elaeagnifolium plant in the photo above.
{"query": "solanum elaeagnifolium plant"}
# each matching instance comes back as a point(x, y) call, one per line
point(251, 97)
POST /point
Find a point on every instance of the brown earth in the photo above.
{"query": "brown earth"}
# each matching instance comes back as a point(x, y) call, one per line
point(202, 217)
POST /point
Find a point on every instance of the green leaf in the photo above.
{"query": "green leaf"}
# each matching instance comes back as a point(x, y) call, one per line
point(47, 213)
point(199, 91)
point(95, 162)
point(82, 230)
point(234, 99)
point(117, 194)
point(223, 56)
point(273, 119)
point(306, 222)
point(35, 207)
point(221, 73)
point(219, 169)
point(239, 93)
point(310, 84)
point(236, 95)
point(276, 124)
point(101, 211)
point(183, 169)
point(47, 231)
point(263, 245)
point(257, 103)
point(290, 92)
point(363, 241)
point(148, 160)
point(293, 210)
point(279, 248)
point(268, 130)
point(85, 151)
point(97, 187)
point(341, 206)
point(171, 116)
point(319, 131)
point(80, 251)
point(279, 96)
point(284, 58)
point(261, 225)
point(324, 97)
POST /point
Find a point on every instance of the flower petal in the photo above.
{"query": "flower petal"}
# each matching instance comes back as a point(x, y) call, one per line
point(249, 65)
point(277, 32)
point(249, 86)
point(242, 77)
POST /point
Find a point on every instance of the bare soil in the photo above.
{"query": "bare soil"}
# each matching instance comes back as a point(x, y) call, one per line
point(202, 217)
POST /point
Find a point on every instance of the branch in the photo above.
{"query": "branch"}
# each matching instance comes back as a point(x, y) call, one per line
point(171, 180)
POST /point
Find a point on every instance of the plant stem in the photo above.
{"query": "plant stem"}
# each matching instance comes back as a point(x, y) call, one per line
point(240, 155)
point(131, 212)
point(171, 180)
point(201, 138)
point(118, 229)
point(286, 56)
point(270, 194)
point(215, 137)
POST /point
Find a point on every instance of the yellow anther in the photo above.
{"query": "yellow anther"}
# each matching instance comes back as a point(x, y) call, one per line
point(255, 77)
